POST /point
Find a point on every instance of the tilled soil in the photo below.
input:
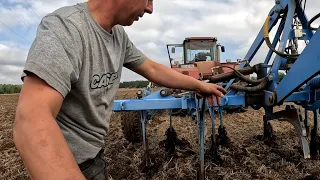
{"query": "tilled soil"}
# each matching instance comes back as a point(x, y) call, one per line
point(11, 166)
point(245, 157)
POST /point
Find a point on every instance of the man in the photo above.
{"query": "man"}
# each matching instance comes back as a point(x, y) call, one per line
point(71, 76)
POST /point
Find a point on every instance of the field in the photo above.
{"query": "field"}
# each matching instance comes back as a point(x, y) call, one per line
point(244, 158)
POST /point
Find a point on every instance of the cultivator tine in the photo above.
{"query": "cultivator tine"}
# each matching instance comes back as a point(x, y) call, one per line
point(297, 122)
point(197, 118)
point(171, 141)
point(222, 133)
point(201, 120)
point(220, 114)
point(173, 144)
point(293, 116)
point(211, 112)
point(268, 135)
point(213, 152)
point(170, 120)
point(306, 121)
point(315, 126)
point(145, 139)
point(315, 138)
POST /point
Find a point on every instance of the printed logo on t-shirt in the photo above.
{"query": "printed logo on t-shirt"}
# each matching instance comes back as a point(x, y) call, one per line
point(105, 80)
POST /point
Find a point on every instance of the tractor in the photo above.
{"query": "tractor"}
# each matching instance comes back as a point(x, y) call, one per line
point(199, 57)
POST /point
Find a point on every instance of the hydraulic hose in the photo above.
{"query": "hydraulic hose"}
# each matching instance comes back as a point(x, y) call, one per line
point(267, 40)
point(312, 20)
point(231, 75)
point(242, 77)
point(259, 87)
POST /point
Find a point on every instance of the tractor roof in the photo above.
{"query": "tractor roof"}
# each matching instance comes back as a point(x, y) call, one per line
point(200, 38)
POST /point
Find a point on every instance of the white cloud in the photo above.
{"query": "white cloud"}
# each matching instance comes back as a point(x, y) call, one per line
point(10, 74)
point(235, 22)
point(12, 55)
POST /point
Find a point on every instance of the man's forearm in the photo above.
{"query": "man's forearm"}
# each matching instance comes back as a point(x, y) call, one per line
point(43, 149)
point(167, 77)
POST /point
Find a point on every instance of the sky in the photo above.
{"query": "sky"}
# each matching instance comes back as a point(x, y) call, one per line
point(235, 23)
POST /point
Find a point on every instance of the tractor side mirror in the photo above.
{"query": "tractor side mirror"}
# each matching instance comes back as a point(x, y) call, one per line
point(223, 49)
point(173, 50)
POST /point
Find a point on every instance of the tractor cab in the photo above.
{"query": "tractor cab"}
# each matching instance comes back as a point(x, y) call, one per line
point(196, 57)
point(199, 49)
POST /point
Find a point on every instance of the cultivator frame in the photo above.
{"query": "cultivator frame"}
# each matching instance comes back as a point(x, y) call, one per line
point(301, 88)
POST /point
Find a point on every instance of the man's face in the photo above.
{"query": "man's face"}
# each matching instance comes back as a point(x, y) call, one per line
point(133, 10)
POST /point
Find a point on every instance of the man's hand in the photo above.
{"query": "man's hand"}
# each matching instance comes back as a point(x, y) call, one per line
point(170, 78)
point(208, 89)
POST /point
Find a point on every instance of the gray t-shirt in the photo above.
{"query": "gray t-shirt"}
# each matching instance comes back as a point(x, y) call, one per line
point(83, 62)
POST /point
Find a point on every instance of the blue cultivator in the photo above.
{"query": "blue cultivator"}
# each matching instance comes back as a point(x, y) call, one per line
point(300, 85)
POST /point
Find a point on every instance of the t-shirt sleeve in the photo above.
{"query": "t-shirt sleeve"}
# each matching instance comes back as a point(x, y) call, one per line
point(133, 56)
point(56, 53)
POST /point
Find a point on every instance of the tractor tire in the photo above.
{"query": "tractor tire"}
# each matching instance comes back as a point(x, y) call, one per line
point(131, 126)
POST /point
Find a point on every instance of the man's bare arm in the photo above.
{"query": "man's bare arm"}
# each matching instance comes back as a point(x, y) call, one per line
point(168, 77)
point(38, 137)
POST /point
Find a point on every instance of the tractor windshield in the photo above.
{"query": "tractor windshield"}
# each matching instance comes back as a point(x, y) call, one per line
point(200, 50)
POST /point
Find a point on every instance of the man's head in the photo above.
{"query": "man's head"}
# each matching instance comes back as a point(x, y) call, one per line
point(109, 13)
point(132, 10)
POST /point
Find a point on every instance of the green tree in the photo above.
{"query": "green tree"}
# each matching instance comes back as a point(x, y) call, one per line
point(134, 84)
point(9, 88)
point(281, 75)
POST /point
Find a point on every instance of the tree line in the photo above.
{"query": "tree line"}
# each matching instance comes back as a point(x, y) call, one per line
point(9, 88)
point(134, 84)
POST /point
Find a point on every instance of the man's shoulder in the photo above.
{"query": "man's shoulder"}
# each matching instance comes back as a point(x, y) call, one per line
point(68, 18)
point(68, 14)
point(68, 11)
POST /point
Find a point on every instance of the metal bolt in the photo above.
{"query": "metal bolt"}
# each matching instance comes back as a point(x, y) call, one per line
point(271, 99)
point(270, 77)
point(277, 10)
point(277, 1)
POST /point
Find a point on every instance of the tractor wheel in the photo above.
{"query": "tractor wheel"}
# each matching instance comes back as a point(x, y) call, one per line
point(131, 126)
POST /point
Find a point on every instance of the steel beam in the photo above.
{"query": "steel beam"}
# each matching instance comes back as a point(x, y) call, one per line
point(304, 69)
